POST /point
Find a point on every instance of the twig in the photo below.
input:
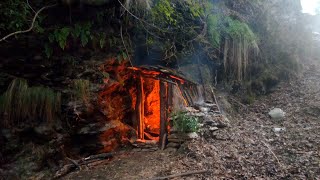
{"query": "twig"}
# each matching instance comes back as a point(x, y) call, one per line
point(139, 18)
point(30, 6)
point(32, 24)
point(75, 163)
point(125, 46)
point(179, 175)
point(274, 155)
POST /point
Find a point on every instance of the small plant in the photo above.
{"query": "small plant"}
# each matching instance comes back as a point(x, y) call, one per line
point(184, 122)
point(21, 103)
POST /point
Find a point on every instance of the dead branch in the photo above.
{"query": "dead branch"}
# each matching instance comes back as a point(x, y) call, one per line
point(30, 6)
point(32, 24)
point(75, 163)
point(139, 19)
point(84, 161)
point(179, 175)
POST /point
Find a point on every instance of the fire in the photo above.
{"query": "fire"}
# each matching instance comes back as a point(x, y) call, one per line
point(152, 106)
point(130, 102)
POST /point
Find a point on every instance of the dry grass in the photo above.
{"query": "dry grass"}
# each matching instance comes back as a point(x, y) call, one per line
point(24, 104)
point(81, 90)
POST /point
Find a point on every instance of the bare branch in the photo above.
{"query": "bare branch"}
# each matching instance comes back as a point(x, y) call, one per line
point(30, 6)
point(32, 24)
point(182, 174)
point(140, 18)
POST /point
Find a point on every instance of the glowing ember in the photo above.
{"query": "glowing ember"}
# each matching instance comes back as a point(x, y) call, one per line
point(152, 106)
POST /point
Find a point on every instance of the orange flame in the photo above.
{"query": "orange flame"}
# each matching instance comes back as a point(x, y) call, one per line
point(118, 102)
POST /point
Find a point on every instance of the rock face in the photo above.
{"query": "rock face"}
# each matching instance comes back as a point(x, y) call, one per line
point(277, 114)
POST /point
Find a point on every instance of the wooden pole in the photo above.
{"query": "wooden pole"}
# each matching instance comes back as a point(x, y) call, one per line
point(163, 113)
point(142, 110)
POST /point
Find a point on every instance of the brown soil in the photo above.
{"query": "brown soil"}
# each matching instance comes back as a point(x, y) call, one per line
point(249, 149)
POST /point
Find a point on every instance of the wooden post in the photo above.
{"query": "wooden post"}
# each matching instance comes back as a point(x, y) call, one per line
point(170, 97)
point(188, 95)
point(184, 94)
point(140, 108)
point(163, 113)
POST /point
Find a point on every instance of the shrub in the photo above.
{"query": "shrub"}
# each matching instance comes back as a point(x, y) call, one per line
point(184, 122)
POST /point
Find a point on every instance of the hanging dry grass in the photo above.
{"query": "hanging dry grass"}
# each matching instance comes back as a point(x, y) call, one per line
point(81, 89)
point(237, 45)
point(23, 104)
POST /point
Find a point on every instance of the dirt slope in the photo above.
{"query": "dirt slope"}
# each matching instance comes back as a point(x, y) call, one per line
point(249, 149)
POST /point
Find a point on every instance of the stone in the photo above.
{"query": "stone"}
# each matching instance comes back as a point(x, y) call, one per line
point(173, 136)
point(277, 114)
point(6, 133)
point(84, 130)
point(279, 129)
point(193, 135)
point(44, 131)
point(204, 109)
point(173, 145)
point(210, 123)
point(171, 150)
point(191, 109)
point(176, 140)
point(213, 129)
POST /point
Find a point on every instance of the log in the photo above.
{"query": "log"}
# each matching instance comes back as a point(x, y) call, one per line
point(180, 175)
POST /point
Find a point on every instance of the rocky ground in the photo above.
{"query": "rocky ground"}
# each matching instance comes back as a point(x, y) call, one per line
point(253, 147)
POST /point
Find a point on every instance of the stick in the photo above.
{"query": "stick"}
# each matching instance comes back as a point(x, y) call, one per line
point(274, 155)
point(179, 175)
point(32, 24)
point(163, 143)
point(75, 163)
